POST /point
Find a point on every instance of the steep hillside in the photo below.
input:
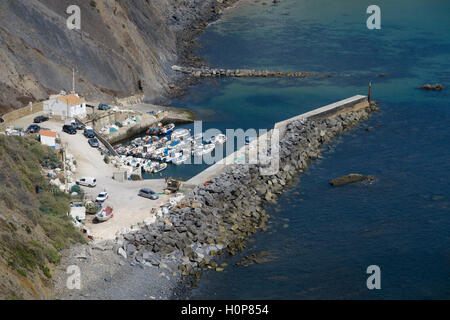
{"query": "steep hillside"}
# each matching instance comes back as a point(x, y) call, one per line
point(33, 221)
point(124, 47)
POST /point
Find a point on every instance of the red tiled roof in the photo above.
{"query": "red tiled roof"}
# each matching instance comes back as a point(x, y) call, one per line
point(47, 133)
point(70, 99)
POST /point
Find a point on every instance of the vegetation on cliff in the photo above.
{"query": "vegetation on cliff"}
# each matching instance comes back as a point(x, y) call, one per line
point(34, 224)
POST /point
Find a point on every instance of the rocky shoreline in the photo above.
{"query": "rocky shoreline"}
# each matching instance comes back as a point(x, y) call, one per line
point(186, 44)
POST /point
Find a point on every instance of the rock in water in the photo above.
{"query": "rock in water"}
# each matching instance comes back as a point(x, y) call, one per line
point(350, 178)
point(433, 87)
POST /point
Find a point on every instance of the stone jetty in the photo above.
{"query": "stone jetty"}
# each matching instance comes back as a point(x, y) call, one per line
point(218, 217)
point(209, 72)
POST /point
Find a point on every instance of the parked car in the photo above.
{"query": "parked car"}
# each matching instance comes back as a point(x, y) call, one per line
point(69, 129)
point(93, 142)
point(89, 133)
point(147, 193)
point(87, 182)
point(103, 107)
point(34, 128)
point(102, 196)
point(40, 119)
point(77, 125)
point(15, 133)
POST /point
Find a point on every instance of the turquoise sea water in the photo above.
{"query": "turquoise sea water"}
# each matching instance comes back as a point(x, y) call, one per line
point(324, 238)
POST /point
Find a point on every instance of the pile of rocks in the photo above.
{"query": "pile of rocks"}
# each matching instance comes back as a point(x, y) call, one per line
point(220, 216)
point(64, 180)
point(208, 72)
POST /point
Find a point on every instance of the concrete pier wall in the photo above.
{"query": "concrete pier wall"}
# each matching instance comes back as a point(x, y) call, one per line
point(350, 104)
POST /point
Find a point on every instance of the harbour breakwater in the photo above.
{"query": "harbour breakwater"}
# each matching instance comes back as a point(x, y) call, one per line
point(210, 72)
point(218, 217)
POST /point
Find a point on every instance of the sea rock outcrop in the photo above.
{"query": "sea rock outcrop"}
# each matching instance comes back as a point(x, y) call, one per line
point(350, 178)
point(432, 87)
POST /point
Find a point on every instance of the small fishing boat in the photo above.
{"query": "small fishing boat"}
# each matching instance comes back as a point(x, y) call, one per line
point(180, 134)
point(208, 148)
point(149, 167)
point(168, 129)
point(171, 156)
point(198, 136)
point(153, 131)
point(220, 139)
point(160, 167)
point(173, 145)
point(105, 214)
point(180, 160)
point(198, 151)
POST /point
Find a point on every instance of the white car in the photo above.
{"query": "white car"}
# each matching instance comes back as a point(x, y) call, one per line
point(102, 196)
point(87, 182)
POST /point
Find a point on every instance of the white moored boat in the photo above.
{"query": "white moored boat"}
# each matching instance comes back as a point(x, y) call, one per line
point(180, 160)
point(197, 151)
point(220, 139)
point(160, 167)
point(208, 148)
point(180, 134)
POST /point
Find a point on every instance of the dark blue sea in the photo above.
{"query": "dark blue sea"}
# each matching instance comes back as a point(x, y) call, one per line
point(324, 238)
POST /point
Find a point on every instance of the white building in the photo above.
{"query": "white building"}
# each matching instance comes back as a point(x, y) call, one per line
point(65, 106)
point(48, 138)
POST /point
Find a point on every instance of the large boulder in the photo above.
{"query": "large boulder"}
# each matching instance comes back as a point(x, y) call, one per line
point(350, 178)
point(432, 87)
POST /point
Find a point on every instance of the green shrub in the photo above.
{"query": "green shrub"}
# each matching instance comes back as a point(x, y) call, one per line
point(76, 189)
point(20, 177)
point(46, 271)
point(52, 256)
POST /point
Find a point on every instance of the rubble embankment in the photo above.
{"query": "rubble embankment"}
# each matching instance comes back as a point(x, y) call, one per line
point(205, 72)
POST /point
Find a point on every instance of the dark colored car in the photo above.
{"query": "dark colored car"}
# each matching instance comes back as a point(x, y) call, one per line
point(93, 143)
point(103, 106)
point(40, 119)
point(89, 133)
point(78, 126)
point(34, 128)
point(69, 129)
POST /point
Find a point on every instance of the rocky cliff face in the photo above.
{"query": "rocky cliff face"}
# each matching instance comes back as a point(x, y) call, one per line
point(123, 48)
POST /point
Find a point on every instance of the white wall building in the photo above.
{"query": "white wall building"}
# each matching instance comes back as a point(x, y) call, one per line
point(48, 138)
point(65, 106)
